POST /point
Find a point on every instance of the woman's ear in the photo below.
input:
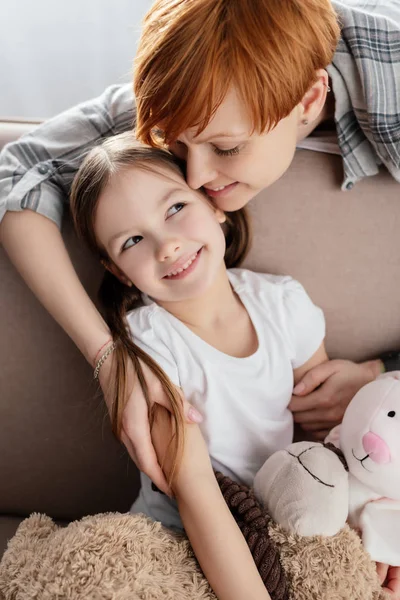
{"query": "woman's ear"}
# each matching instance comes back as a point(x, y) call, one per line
point(116, 271)
point(314, 99)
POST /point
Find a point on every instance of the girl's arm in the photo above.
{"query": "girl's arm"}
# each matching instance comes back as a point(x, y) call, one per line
point(216, 539)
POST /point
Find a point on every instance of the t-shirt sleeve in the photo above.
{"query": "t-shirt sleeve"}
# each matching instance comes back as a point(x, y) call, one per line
point(303, 322)
point(149, 333)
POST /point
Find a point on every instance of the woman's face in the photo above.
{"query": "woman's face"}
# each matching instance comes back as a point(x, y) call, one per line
point(230, 162)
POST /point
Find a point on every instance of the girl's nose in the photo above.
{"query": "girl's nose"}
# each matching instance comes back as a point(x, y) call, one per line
point(167, 250)
point(199, 169)
point(376, 448)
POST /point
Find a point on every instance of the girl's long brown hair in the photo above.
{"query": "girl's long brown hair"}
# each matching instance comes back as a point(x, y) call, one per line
point(100, 165)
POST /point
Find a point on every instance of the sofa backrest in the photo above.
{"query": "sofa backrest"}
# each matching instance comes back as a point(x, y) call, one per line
point(57, 454)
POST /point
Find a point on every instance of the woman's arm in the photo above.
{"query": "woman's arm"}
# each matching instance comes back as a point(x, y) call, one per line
point(216, 539)
point(324, 389)
point(35, 246)
point(319, 357)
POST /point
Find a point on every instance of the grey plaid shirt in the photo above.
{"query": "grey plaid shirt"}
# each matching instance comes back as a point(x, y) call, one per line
point(36, 172)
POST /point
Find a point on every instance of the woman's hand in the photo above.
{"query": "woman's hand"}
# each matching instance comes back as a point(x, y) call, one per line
point(390, 579)
point(135, 422)
point(321, 397)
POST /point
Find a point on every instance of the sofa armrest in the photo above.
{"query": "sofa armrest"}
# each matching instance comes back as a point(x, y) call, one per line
point(12, 129)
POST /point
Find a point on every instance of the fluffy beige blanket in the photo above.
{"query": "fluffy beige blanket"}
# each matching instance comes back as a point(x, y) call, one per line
point(128, 557)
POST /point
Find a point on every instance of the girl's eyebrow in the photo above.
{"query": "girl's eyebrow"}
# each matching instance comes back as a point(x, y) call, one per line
point(163, 200)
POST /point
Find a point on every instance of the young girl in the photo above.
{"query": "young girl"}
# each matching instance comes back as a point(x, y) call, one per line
point(232, 341)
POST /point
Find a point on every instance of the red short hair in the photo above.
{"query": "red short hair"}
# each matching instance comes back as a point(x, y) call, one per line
point(192, 51)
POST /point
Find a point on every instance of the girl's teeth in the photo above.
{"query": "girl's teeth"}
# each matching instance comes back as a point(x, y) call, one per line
point(185, 266)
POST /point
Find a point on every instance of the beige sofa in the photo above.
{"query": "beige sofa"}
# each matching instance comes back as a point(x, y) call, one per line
point(56, 452)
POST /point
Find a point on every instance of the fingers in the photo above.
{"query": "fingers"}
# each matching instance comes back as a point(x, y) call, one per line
point(316, 426)
point(148, 463)
point(314, 378)
point(301, 404)
point(381, 570)
point(137, 438)
point(158, 396)
point(129, 446)
point(393, 581)
point(320, 435)
point(145, 458)
point(319, 416)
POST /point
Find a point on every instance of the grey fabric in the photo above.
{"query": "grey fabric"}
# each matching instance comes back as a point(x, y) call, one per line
point(36, 171)
point(365, 74)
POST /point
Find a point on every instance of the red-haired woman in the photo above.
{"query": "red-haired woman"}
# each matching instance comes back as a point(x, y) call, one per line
point(232, 87)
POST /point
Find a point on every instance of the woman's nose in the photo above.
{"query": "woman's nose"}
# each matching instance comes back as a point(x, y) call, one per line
point(376, 448)
point(199, 170)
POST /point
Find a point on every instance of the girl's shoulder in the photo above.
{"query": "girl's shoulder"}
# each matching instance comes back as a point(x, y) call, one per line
point(145, 319)
point(274, 286)
point(280, 295)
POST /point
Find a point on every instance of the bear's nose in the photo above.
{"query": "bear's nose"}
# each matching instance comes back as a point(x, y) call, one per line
point(376, 448)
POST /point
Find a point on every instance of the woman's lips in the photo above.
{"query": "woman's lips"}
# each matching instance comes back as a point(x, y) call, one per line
point(187, 271)
point(219, 193)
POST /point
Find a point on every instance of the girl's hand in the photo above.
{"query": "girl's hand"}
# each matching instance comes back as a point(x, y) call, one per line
point(135, 422)
point(321, 397)
point(390, 579)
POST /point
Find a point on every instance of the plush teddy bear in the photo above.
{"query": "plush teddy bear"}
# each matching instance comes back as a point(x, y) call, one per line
point(308, 491)
point(296, 530)
point(129, 557)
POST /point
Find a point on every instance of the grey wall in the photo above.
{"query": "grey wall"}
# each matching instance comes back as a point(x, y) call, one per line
point(55, 53)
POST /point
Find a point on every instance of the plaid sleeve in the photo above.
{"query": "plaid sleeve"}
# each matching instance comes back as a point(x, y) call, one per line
point(36, 171)
point(365, 75)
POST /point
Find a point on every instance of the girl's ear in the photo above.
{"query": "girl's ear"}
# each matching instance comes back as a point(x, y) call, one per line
point(116, 271)
point(221, 216)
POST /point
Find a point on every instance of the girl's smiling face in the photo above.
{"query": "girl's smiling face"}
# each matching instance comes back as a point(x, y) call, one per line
point(159, 234)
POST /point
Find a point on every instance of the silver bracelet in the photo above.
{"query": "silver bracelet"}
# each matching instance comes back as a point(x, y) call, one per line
point(103, 359)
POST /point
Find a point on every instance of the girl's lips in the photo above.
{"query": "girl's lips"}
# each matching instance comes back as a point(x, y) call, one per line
point(218, 193)
point(187, 271)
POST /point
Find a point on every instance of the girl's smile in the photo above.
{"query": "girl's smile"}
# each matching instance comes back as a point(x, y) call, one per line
point(188, 266)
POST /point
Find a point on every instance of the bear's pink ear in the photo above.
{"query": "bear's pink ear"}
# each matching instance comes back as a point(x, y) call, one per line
point(390, 375)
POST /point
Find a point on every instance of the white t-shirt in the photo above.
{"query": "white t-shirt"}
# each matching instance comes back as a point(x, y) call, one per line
point(243, 400)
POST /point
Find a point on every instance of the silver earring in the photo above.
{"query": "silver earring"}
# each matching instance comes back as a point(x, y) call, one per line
point(305, 121)
point(328, 87)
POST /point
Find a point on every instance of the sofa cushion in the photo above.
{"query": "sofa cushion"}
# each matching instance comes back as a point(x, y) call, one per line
point(8, 526)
